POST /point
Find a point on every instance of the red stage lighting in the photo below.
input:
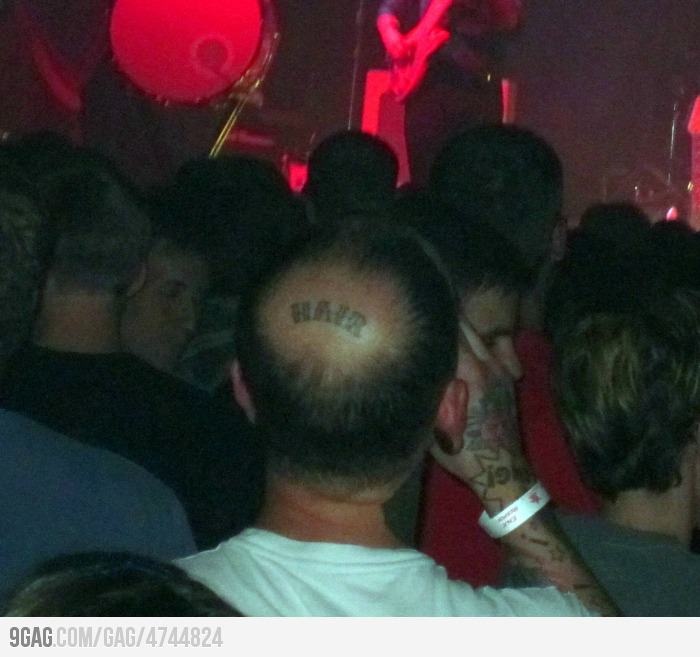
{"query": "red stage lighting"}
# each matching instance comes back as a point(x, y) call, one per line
point(185, 51)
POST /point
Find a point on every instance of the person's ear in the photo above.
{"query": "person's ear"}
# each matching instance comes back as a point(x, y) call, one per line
point(452, 417)
point(138, 282)
point(241, 393)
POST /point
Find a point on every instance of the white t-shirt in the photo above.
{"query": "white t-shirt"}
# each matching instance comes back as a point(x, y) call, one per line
point(265, 574)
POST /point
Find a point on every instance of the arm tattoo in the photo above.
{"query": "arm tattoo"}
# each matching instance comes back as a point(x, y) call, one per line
point(544, 557)
point(491, 482)
point(493, 438)
point(493, 424)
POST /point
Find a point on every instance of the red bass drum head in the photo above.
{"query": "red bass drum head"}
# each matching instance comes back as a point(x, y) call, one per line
point(185, 51)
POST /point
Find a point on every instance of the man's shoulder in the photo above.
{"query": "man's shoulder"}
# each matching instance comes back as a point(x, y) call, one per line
point(35, 453)
point(593, 531)
point(220, 567)
point(256, 541)
point(321, 579)
point(646, 574)
point(60, 496)
point(599, 542)
point(263, 573)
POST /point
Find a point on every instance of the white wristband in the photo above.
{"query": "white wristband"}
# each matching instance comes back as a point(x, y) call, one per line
point(516, 513)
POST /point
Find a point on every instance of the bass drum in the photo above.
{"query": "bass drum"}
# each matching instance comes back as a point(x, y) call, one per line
point(180, 51)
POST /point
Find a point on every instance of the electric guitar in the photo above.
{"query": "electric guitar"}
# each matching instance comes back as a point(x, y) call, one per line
point(424, 40)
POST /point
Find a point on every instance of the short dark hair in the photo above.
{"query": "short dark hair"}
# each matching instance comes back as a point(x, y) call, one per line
point(599, 275)
point(364, 421)
point(628, 386)
point(675, 252)
point(23, 242)
point(506, 176)
point(593, 277)
point(476, 256)
point(179, 229)
point(40, 155)
point(617, 223)
point(237, 209)
point(180, 233)
point(113, 584)
point(351, 172)
point(102, 232)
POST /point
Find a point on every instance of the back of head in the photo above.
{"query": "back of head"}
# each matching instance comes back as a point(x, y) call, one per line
point(161, 317)
point(351, 172)
point(508, 177)
point(346, 347)
point(242, 210)
point(22, 245)
point(42, 153)
point(593, 277)
point(114, 584)
point(599, 274)
point(628, 383)
point(102, 234)
point(617, 223)
point(475, 255)
point(675, 254)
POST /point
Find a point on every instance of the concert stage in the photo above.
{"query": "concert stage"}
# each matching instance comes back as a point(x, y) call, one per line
point(611, 85)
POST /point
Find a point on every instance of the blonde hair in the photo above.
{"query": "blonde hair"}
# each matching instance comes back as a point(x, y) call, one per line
point(628, 387)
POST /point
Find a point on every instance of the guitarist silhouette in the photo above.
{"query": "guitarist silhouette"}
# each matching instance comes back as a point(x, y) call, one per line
point(428, 36)
point(445, 67)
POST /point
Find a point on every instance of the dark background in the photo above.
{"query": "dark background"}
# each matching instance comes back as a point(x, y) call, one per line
point(598, 78)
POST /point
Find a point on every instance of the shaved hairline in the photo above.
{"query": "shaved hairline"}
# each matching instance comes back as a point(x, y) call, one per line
point(329, 315)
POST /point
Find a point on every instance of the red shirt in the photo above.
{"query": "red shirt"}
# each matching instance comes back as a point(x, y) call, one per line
point(448, 527)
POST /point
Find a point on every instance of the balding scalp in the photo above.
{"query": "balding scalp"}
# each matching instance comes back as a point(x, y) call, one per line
point(346, 349)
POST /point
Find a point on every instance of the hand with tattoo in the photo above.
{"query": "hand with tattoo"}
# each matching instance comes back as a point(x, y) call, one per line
point(492, 464)
point(490, 461)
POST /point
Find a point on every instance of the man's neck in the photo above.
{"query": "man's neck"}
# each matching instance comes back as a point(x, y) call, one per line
point(78, 322)
point(670, 514)
point(304, 514)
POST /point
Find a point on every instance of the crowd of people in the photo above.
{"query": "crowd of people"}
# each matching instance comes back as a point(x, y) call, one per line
point(218, 397)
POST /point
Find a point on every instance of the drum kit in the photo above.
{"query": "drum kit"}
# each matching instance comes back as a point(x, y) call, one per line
point(212, 52)
point(670, 187)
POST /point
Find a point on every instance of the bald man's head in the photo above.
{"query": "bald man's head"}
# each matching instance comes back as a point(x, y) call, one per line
point(346, 348)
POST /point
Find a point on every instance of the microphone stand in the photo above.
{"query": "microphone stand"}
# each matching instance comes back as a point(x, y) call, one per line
point(354, 92)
